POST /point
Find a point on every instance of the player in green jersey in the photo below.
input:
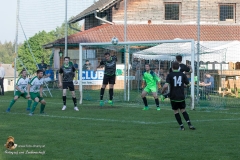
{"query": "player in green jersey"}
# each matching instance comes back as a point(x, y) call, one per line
point(150, 81)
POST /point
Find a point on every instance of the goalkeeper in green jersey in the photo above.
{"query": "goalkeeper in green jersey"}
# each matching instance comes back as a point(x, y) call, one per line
point(21, 91)
point(150, 81)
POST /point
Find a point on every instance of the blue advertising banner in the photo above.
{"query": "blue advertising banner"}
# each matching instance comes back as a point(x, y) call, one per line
point(91, 77)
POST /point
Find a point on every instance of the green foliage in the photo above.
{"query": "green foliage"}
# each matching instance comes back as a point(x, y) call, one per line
point(7, 52)
point(60, 31)
point(25, 58)
point(36, 42)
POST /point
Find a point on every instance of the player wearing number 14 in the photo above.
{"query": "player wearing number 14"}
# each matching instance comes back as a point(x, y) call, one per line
point(176, 80)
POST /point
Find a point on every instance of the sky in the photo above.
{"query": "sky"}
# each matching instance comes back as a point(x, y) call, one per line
point(8, 23)
point(35, 16)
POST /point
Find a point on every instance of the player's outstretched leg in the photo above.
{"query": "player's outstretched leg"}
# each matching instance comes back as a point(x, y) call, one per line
point(43, 104)
point(186, 117)
point(110, 96)
point(101, 96)
point(156, 100)
point(75, 103)
point(157, 104)
point(179, 120)
point(29, 104)
point(64, 98)
point(33, 108)
point(10, 105)
point(144, 93)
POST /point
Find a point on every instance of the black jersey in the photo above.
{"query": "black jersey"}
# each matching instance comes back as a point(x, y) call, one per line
point(68, 72)
point(176, 80)
point(110, 66)
point(182, 68)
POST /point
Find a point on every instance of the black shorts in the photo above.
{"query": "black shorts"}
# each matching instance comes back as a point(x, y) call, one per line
point(109, 79)
point(68, 85)
point(178, 105)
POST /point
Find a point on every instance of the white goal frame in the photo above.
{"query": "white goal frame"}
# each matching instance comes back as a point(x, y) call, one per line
point(137, 43)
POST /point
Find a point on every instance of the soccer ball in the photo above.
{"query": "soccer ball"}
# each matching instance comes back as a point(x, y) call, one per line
point(114, 41)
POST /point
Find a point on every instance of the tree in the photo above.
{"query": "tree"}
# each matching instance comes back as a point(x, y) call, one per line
point(30, 60)
point(60, 31)
point(36, 42)
point(7, 52)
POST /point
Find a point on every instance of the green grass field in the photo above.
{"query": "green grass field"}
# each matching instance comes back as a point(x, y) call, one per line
point(120, 132)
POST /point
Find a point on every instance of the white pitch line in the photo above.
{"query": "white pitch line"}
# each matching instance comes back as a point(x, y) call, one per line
point(123, 121)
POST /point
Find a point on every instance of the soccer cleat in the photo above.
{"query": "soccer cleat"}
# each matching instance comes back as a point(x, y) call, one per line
point(30, 114)
point(145, 108)
point(76, 108)
point(192, 127)
point(162, 97)
point(110, 102)
point(101, 103)
point(181, 128)
point(8, 110)
point(27, 109)
point(158, 108)
point(64, 107)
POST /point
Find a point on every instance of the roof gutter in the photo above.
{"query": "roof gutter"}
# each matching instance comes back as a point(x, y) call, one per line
point(70, 26)
point(95, 14)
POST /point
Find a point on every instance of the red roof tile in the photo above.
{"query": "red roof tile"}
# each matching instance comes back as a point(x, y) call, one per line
point(140, 32)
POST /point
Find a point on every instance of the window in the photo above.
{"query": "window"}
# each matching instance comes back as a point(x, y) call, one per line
point(89, 54)
point(227, 12)
point(172, 11)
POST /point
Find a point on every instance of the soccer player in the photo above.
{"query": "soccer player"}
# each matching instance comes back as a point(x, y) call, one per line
point(182, 68)
point(150, 80)
point(65, 77)
point(34, 90)
point(176, 80)
point(109, 62)
point(21, 90)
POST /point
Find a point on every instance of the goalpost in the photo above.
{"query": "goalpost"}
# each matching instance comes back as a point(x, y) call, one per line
point(127, 46)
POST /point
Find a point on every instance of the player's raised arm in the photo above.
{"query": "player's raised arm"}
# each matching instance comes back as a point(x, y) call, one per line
point(185, 80)
point(190, 68)
point(101, 64)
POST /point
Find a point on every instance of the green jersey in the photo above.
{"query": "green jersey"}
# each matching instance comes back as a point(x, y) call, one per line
point(151, 78)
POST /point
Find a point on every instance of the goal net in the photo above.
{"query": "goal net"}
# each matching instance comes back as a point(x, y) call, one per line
point(132, 57)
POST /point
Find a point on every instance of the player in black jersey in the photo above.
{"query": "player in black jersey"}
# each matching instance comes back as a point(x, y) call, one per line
point(109, 62)
point(176, 80)
point(182, 68)
point(66, 75)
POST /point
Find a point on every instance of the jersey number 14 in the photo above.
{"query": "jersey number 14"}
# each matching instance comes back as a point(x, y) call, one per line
point(177, 81)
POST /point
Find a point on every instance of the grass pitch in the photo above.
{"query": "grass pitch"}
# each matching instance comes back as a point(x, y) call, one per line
point(120, 132)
